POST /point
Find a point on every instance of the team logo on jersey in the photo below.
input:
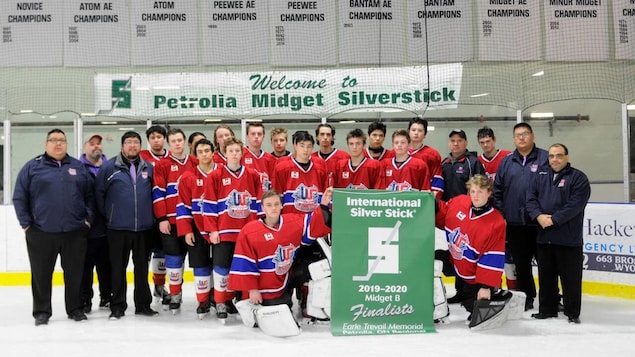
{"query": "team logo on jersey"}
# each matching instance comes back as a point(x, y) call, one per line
point(388, 172)
point(199, 182)
point(361, 186)
point(202, 285)
point(72, 171)
point(400, 186)
point(144, 175)
point(268, 236)
point(264, 181)
point(459, 170)
point(283, 258)
point(461, 216)
point(305, 198)
point(457, 243)
point(227, 181)
point(238, 204)
point(174, 168)
point(295, 174)
point(248, 161)
point(345, 174)
point(491, 176)
point(534, 168)
point(561, 184)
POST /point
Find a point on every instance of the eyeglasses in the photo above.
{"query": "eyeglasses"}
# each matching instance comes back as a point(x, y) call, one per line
point(522, 135)
point(56, 141)
point(557, 156)
point(132, 142)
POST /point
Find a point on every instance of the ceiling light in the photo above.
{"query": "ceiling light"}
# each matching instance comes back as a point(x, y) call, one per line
point(541, 115)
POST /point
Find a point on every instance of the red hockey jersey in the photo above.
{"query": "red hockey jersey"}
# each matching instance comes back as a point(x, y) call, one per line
point(301, 189)
point(432, 158)
point(263, 163)
point(264, 255)
point(189, 209)
point(367, 175)
point(151, 158)
point(332, 160)
point(491, 165)
point(232, 199)
point(411, 175)
point(385, 154)
point(165, 196)
point(476, 243)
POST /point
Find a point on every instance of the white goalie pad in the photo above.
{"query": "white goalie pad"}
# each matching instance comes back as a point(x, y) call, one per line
point(320, 269)
point(319, 299)
point(441, 308)
point(277, 321)
point(516, 305)
point(247, 311)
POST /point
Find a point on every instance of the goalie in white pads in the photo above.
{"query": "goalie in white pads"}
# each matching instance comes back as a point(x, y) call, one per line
point(264, 253)
point(475, 233)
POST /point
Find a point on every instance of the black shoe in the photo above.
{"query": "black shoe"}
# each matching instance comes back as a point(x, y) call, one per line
point(77, 315)
point(458, 298)
point(116, 314)
point(104, 303)
point(574, 320)
point(87, 307)
point(542, 316)
point(146, 311)
point(42, 319)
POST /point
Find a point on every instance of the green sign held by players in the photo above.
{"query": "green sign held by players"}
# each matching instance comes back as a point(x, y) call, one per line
point(383, 255)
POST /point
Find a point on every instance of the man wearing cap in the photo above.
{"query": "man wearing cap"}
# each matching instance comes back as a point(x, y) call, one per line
point(457, 169)
point(459, 166)
point(124, 195)
point(97, 250)
point(54, 203)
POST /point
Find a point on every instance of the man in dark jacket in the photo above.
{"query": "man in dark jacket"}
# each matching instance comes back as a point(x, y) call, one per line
point(510, 188)
point(556, 201)
point(54, 203)
point(97, 251)
point(124, 196)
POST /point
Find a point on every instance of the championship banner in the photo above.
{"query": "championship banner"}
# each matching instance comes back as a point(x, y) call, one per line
point(509, 31)
point(382, 268)
point(250, 94)
point(624, 28)
point(576, 30)
point(32, 33)
point(608, 234)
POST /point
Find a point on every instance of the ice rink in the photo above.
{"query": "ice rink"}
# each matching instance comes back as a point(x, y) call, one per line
point(607, 328)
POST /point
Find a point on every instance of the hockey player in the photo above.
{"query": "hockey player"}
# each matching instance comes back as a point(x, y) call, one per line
point(301, 180)
point(265, 250)
point(475, 233)
point(189, 223)
point(156, 139)
point(164, 193)
point(279, 140)
point(359, 172)
point(257, 159)
point(231, 201)
point(417, 131)
point(403, 172)
point(191, 142)
point(325, 135)
point(221, 133)
point(377, 135)
point(491, 159)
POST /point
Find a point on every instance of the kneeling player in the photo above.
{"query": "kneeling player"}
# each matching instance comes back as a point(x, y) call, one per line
point(265, 250)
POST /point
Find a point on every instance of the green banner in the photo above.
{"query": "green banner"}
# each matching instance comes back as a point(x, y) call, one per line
point(383, 255)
